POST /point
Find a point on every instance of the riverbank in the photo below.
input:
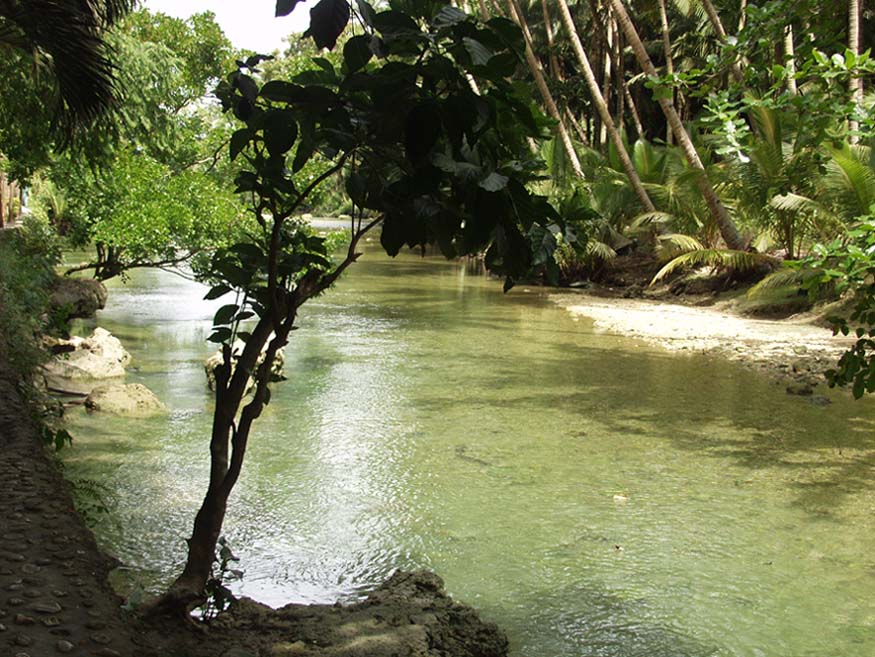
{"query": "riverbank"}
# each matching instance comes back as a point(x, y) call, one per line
point(796, 351)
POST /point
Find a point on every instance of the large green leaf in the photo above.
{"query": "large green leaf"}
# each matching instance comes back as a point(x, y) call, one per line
point(328, 19)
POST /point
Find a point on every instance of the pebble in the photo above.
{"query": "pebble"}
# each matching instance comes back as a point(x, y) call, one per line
point(101, 638)
point(59, 594)
point(95, 625)
point(46, 607)
point(21, 654)
point(2, 627)
point(21, 619)
point(108, 652)
point(30, 568)
point(64, 646)
point(15, 602)
point(22, 640)
point(51, 621)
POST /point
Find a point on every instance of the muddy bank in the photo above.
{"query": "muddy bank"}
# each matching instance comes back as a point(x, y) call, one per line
point(795, 351)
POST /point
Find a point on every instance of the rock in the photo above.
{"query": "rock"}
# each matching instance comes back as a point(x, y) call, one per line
point(77, 297)
point(211, 363)
point(46, 607)
point(129, 400)
point(64, 647)
point(803, 389)
point(98, 357)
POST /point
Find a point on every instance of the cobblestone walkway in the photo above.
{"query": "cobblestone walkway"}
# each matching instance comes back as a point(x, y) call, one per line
point(54, 599)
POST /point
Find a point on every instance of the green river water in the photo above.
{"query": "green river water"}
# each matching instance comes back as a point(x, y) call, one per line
point(431, 421)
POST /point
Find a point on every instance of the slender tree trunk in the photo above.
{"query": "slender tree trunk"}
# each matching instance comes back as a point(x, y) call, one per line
point(606, 75)
point(227, 450)
point(856, 82)
point(619, 76)
point(548, 28)
point(728, 230)
point(633, 110)
point(669, 62)
point(2, 199)
point(538, 73)
point(575, 124)
point(742, 15)
point(717, 24)
point(790, 60)
point(602, 108)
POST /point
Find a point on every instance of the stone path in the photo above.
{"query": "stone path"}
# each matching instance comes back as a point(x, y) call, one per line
point(54, 599)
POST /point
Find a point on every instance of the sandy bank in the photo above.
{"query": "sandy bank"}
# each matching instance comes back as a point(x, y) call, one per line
point(792, 348)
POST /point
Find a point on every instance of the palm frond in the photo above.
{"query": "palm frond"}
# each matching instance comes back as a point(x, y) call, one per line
point(728, 259)
point(679, 243)
point(69, 34)
point(646, 219)
point(797, 203)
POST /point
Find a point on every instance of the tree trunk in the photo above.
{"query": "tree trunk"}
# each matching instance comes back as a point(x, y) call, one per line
point(669, 62)
point(548, 28)
point(602, 108)
point(728, 230)
point(538, 73)
point(606, 75)
point(2, 199)
point(227, 449)
point(717, 24)
point(790, 61)
point(856, 82)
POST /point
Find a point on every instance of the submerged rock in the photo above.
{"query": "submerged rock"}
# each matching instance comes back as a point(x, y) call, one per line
point(78, 297)
point(131, 400)
point(83, 363)
point(211, 363)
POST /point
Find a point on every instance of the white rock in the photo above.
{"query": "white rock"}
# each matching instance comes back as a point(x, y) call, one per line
point(131, 400)
point(211, 363)
point(93, 360)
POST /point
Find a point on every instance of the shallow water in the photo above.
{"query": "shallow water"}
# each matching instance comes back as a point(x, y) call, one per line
point(431, 421)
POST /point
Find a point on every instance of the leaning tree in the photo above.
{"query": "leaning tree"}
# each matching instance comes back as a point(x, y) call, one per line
point(430, 135)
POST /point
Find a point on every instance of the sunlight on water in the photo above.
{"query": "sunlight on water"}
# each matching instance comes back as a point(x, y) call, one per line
point(592, 496)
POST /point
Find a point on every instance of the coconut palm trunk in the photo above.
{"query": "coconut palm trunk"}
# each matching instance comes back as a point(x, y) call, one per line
point(856, 82)
point(666, 47)
point(790, 61)
point(728, 230)
point(717, 24)
point(538, 73)
point(602, 108)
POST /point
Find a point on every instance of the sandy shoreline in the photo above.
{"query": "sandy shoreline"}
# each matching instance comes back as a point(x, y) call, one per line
point(792, 348)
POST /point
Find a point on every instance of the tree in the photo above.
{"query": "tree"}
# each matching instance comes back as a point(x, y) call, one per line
point(604, 112)
point(146, 189)
point(67, 37)
point(728, 229)
point(423, 156)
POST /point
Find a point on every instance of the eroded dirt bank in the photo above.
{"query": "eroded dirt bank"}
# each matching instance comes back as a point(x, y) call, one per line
point(794, 350)
point(55, 600)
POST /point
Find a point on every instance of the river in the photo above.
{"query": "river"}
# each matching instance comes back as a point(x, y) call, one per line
point(592, 495)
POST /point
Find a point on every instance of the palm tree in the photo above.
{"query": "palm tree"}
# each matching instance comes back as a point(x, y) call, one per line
point(67, 37)
point(537, 72)
point(602, 108)
point(856, 82)
point(728, 230)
